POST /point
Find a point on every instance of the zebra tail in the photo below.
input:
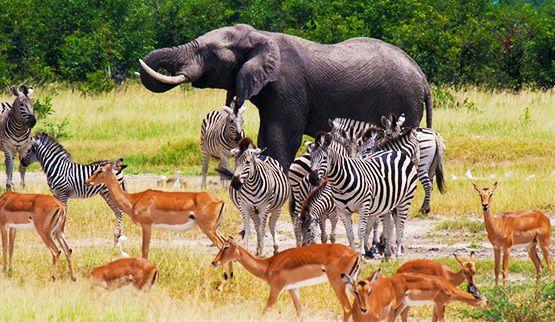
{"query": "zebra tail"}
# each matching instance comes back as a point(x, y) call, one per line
point(225, 173)
point(292, 204)
point(428, 103)
point(440, 175)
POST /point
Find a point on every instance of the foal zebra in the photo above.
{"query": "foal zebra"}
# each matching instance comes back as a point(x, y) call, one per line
point(66, 178)
point(343, 135)
point(378, 185)
point(259, 189)
point(16, 122)
point(219, 133)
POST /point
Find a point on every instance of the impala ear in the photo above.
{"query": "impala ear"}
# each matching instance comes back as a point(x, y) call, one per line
point(472, 256)
point(476, 188)
point(459, 260)
point(375, 276)
point(494, 187)
point(261, 67)
point(348, 280)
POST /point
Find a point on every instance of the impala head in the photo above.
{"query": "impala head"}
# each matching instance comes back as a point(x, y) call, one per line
point(361, 289)
point(246, 155)
point(318, 151)
point(345, 140)
point(23, 107)
point(468, 267)
point(371, 138)
point(104, 174)
point(486, 194)
point(234, 123)
point(227, 253)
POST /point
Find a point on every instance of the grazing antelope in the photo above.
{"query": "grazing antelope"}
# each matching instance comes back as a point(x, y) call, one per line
point(530, 227)
point(428, 267)
point(297, 267)
point(43, 212)
point(175, 211)
point(382, 298)
point(123, 271)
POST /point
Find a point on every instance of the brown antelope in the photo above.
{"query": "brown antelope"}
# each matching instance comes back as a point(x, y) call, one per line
point(297, 267)
point(428, 267)
point(174, 211)
point(123, 271)
point(43, 212)
point(382, 298)
point(530, 227)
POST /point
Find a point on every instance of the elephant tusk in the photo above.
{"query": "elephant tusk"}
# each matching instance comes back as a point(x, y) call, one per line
point(137, 74)
point(173, 80)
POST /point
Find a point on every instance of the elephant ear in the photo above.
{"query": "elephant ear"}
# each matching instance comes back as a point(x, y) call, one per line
point(260, 68)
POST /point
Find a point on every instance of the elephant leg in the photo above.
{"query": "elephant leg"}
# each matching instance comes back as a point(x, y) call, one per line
point(282, 141)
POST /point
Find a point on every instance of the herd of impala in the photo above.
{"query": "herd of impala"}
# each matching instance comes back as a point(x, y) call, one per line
point(376, 298)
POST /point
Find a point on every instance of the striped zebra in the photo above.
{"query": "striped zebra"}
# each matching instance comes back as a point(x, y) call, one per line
point(219, 133)
point(259, 189)
point(66, 178)
point(16, 121)
point(318, 207)
point(371, 187)
point(344, 141)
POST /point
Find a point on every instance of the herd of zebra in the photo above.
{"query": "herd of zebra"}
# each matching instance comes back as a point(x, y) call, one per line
point(357, 167)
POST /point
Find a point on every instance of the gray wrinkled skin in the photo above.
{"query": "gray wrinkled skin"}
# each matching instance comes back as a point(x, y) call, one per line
point(296, 84)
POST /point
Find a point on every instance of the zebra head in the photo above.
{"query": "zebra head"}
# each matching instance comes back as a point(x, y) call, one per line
point(371, 139)
point(31, 156)
point(346, 143)
point(393, 128)
point(319, 157)
point(246, 155)
point(233, 128)
point(23, 108)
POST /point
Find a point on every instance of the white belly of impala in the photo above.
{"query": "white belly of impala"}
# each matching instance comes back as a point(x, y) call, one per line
point(410, 302)
point(308, 282)
point(29, 225)
point(181, 227)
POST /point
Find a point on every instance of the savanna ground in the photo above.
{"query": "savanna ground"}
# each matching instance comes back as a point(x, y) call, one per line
point(508, 137)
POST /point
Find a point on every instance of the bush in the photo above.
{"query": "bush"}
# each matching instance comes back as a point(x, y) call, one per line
point(43, 107)
point(97, 82)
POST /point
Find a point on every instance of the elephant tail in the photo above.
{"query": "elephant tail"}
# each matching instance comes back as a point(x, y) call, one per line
point(428, 102)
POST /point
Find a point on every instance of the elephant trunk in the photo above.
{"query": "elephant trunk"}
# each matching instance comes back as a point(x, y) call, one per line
point(172, 60)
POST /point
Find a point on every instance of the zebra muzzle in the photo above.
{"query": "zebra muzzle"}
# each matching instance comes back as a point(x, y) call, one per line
point(31, 120)
point(313, 178)
point(236, 183)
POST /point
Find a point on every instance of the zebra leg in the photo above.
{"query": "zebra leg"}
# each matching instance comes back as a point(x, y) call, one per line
point(22, 171)
point(347, 219)
point(273, 220)
point(245, 214)
point(375, 230)
point(333, 218)
point(118, 213)
point(322, 223)
point(362, 228)
point(427, 185)
point(9, 168)
point(261, 231)
point(388, 232)
point(205, 160)
point(401, 214)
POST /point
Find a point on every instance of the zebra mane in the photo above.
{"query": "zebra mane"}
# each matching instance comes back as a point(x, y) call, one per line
point(46, 139)
point(245, 144)
point(308, 200)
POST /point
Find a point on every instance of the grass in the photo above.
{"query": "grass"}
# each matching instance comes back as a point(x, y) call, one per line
point(508, 138)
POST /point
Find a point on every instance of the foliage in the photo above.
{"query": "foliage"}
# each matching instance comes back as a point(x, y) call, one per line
point(493, 44)
point(43, 107)
point(57, 130)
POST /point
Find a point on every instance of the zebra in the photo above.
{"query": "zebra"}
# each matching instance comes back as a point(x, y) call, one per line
point(66, 178)
point(219, 133)
point(344, 141)
point(16, 121)
point(426, 144)
point(259, 188)
point(384, 183)
point(318, 206)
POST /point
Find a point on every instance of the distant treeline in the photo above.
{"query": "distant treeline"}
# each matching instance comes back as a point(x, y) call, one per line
point(492, 44)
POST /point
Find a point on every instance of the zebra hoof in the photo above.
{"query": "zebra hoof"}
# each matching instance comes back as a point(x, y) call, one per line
point(425, 210)
point(371, 253)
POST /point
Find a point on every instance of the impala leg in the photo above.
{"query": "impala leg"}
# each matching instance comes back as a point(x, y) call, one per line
point(272, 224)
point(405, 314)
point(497, 259)
point(53, 249)
point(11, 239)
point(261, 231)
point(147, 231)
point(4, 233)
point(68, 252)
point(439, 312)
point(505, 264)
point(536, 260)
point(295, 296)
point(544, 246)
point(274, 294)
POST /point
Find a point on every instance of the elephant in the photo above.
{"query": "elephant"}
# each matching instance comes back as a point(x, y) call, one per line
point(297, 85)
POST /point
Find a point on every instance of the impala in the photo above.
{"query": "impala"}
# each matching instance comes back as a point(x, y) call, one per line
point(382, 298)
point(297, 267)
point(123, 271)
point(43, 212)
point(530, 227)
point(428, 267)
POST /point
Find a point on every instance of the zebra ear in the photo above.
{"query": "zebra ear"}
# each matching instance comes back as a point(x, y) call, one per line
point(242, 109)
point(385, 122)
point(309, 146)
point(14, 91)
point(227, 109)
point(256, 152)
point(326, 140)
